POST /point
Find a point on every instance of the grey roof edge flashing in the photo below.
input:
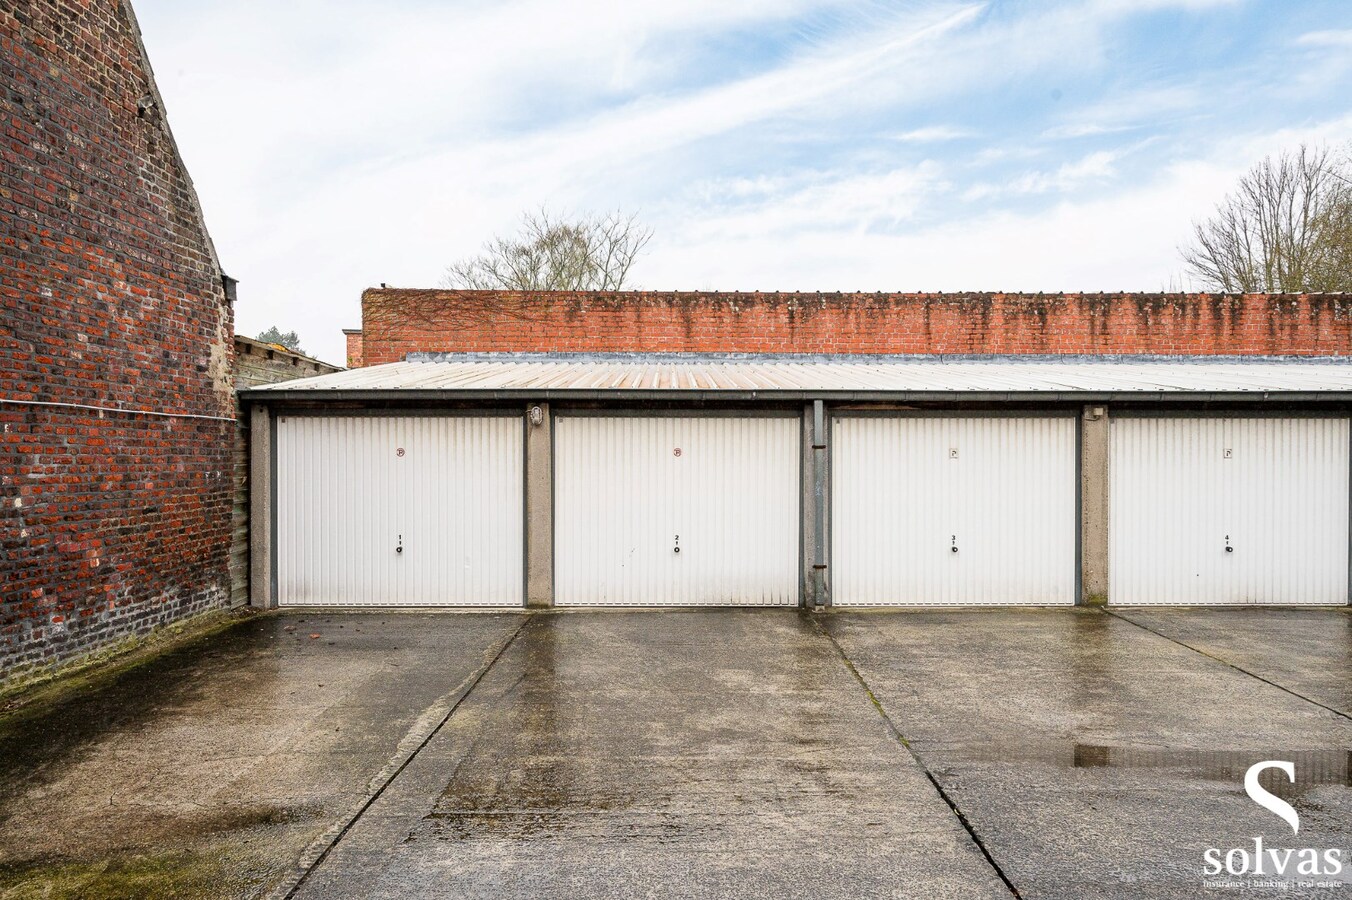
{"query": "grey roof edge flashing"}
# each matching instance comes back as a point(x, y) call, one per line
point(864, 358)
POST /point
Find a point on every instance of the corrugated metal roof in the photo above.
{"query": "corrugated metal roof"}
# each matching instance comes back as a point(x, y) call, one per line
point(797, 376)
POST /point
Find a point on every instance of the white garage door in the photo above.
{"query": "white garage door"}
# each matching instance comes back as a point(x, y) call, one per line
point(399, 511)
point(1228, 511)
point(953, 511)
point(654, 511)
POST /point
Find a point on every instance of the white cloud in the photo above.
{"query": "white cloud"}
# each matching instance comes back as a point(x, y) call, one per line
point(401, 217)
point(1118, 236)
point(1129, 110)
point(851, 202)
point(1139, 6)
point(1093, 168)
point(1088, 129)
point(1337, 39)
point(771, 143)
point(1120, 240)
point(933, 134)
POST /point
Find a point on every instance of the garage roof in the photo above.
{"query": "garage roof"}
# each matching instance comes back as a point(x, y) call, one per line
point(648, 376)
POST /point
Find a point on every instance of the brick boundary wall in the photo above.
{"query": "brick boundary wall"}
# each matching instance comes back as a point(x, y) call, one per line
point(116, 409)
point(396, 322)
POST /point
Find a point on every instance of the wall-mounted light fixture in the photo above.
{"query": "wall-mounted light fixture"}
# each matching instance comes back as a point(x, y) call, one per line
point(537, 416)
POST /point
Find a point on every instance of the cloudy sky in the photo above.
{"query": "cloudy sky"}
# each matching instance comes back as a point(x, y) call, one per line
point(770, 144)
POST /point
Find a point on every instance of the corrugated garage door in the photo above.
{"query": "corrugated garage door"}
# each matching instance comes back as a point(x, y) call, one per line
point(953, 511)
point(399, 510)
point(1273, 491)
point(654, 511)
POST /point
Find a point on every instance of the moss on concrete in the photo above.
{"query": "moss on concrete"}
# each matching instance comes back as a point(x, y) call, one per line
point(43, 688)
point(177, 873)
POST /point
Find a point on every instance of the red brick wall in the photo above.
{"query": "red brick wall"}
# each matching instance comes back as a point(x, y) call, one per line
point(110, 296)
point(354, 347)
point(396, 322)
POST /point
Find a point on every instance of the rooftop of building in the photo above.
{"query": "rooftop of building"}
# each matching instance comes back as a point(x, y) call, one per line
point(650, 375)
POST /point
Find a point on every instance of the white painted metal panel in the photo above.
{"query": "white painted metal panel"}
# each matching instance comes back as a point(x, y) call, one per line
point(1274, 490)
point(352, 490)
point(629, 490)
point(907, 490)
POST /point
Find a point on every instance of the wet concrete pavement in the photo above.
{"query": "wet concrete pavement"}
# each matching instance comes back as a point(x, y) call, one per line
point(963, 753)
point(669, 754)
point(1095, 758)
point(1308, 651)
point(210, 770)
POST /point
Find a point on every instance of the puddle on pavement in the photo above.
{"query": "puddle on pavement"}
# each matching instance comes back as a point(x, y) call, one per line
point(1314, 768)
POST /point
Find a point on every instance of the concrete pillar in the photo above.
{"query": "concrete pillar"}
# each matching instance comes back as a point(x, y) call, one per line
point(815, 513)
point(1094, 506)
point(539, 507)
point(261, 593)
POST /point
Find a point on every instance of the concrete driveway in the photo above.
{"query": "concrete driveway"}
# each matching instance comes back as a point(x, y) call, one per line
point(990, 753)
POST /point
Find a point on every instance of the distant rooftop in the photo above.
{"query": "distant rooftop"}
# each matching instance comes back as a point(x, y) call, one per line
point(257, 346)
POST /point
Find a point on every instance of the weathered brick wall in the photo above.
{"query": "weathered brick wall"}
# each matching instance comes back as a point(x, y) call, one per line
point(354, 347)
point(114, 517)
point(396, 322)
point(256, 363)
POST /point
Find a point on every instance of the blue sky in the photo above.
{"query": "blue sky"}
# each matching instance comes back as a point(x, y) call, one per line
point(770, 144)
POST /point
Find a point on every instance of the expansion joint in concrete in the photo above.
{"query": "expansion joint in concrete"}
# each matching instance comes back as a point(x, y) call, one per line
point(1226, 662)
point(400, 762)
point(901, 739)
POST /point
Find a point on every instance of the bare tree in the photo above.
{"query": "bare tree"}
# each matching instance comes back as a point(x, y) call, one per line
point(1339, 224)
point(1286, 228)
point(592, 253)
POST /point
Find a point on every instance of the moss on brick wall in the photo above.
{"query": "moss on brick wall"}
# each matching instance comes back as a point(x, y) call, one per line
point(396, 322)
